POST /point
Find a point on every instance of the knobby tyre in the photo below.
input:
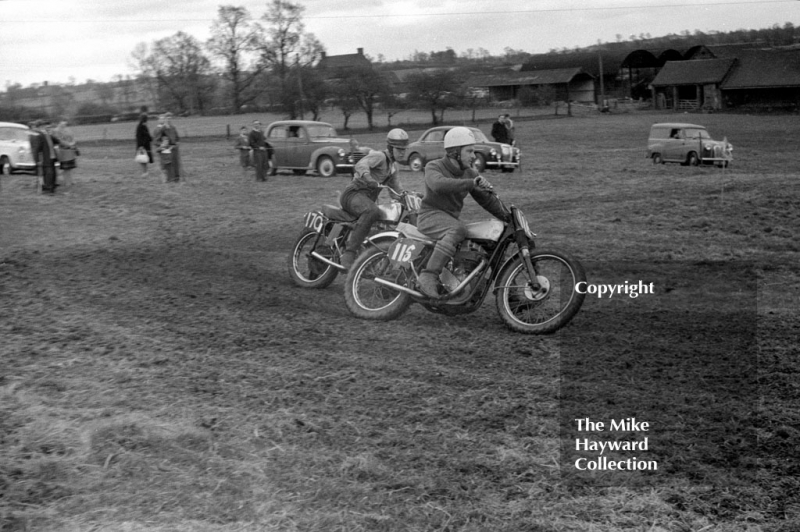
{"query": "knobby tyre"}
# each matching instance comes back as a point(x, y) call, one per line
point(307, 271)
point(369, 300)
point(544, 308)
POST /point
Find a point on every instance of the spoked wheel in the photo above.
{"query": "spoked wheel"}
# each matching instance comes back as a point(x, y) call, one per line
point(548, 304)
point(369, 300)
point(307, 271)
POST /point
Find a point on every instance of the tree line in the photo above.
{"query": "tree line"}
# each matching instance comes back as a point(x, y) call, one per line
point(271, 63)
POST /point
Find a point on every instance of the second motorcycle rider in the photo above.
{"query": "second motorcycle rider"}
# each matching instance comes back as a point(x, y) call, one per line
point(376, 169)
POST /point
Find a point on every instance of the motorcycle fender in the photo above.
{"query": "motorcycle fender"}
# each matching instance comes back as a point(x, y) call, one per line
point(386, 236)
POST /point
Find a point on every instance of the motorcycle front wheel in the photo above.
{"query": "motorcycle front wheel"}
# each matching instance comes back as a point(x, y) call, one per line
point(307, 271)
point(547, 305)
point(369, 300)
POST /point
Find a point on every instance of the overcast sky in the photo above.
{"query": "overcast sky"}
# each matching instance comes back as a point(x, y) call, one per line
point(55, 40)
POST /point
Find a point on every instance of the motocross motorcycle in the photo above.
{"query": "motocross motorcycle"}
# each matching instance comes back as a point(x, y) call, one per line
point(534, 288)
point(316, 254)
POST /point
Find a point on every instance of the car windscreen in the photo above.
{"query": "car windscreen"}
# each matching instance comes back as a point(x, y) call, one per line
point(321, 132)
point(695, 133)
point(479, 136)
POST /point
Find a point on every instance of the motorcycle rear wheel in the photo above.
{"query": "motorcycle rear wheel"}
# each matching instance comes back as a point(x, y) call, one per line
point(305, 270)
point(551, 304)
point(369, 300)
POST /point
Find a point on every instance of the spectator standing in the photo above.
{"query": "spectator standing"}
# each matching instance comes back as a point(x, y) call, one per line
point(510, 128)
point(242, 145)
point(500, 130)
point(165, 129)
point(67, 151)
point(262, 151)
point(144, 141)
point(44, 153)
point(166, 156)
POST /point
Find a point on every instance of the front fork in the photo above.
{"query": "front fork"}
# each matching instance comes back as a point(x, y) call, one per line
point(525, 246)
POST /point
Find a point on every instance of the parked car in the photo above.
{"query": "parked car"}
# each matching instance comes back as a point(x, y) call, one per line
point(488, 154)
point(15, 148)
point(687, 144)
point(303, 145)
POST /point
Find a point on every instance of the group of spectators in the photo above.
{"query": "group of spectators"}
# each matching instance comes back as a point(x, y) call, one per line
point(503, 130)
point(165, 138)
point(51, 145)
point(254, 151)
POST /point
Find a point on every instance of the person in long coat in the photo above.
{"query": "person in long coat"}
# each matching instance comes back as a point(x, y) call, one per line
point(44, 153)
point(144, 140)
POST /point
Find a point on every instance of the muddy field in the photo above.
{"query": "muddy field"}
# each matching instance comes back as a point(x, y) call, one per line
point(161, 373)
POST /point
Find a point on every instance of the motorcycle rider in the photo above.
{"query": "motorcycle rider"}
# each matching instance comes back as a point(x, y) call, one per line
point(359, 198)
point(447, 182)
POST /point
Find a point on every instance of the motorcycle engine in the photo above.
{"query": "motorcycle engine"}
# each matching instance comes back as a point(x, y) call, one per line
point(466, 259)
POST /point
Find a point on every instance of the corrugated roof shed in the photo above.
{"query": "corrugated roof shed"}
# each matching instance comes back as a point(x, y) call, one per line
point(537, 77)
point(765, 69)
point(588, 61)
point(697, 72)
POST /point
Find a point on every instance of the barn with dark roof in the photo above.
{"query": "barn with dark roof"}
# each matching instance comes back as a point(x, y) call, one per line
point(721, 77)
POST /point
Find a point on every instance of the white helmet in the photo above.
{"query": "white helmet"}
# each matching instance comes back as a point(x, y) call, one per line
point(459, 136)
point(397, 138)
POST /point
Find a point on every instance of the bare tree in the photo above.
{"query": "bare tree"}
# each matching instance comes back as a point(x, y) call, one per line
point(235, 39)
point(285, 45)
point(182, 72)
point(366, 86)
point(433, 90)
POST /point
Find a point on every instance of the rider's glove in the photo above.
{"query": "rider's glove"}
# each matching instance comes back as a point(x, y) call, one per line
point(482, 183)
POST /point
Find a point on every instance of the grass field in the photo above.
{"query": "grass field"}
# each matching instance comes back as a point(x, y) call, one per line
point(161, 373)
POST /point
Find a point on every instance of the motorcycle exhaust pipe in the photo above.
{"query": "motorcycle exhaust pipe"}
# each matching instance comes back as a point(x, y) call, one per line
point(398, 287)
point(445, 297)
point(328, 261)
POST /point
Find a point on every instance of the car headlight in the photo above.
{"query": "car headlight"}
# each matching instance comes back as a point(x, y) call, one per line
point(493, 152)
point(342, 153)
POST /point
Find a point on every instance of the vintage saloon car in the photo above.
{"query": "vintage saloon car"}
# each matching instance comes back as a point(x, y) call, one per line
point(15, 148)
point(303, 145)
point(687, 144)
point(488, 154)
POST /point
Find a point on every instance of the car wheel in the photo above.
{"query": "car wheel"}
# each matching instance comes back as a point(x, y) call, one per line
point(416, 163)
point(692, 159)
point(657, 159)
point(480, 162)
point(326, 167)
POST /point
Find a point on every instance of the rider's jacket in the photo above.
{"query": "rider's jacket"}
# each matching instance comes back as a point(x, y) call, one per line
point(446, 186)
point(375, 169)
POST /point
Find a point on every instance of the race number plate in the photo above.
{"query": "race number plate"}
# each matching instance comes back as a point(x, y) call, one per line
point(315, 221)
point(402, 252)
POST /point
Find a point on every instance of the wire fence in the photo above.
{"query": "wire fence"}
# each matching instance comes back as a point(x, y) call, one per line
point(413, 119)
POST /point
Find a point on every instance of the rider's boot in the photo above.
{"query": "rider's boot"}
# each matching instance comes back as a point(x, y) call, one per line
point(347, 259)
point(429, 278)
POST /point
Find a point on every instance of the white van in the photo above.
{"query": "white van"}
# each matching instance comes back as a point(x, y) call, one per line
point(687, 144)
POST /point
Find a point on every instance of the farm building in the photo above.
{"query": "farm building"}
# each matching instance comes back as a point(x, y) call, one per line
point(689, 85)
point(730, 77)
point(585, 76)
point(336, 63)
point(570, 84)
